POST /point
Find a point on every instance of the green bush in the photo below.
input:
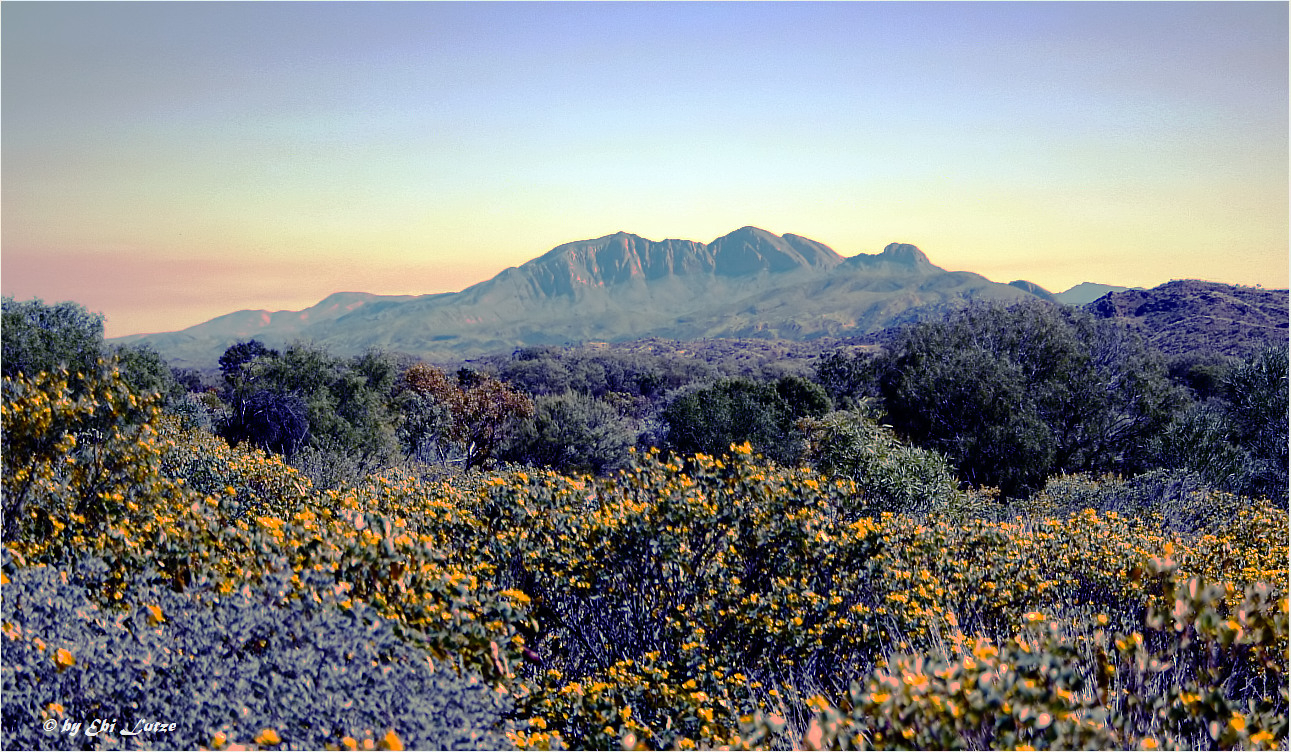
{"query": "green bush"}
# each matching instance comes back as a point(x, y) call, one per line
point(38, 337)
point(710, 419)
point(1015, 394)
point(890, 476)
point(572, 432)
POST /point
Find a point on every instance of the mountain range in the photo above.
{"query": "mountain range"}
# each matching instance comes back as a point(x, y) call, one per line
point(749, 283)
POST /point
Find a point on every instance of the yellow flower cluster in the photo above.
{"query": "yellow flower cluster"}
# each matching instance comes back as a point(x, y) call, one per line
point(683, 603)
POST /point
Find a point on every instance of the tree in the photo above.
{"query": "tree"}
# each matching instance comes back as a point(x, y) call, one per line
point(847, 376)
point(481, 411)
point(236, 359)
point(1013, 394)
point(345, 406)
point(573, 432)
point(38, 337)
point(732, 411)
point(274, 421)
point(1237, 441)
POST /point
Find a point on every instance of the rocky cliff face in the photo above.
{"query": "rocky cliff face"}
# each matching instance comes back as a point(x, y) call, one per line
point(624, 258)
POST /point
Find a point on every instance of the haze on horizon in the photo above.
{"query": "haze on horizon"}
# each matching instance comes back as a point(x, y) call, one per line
point(165, 163)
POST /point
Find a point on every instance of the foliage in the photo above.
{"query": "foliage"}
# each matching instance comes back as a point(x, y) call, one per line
point(1257, 412)
point(1015, 394)
point(572, 432)
point(680, 602)
point(1056, 686)
point(274, 421)
point(223, 668)
point(732, 411)
point(341, 410)
point(1237, 440)
point(148, 499)
point(1201, 372)
point(650, 368)
point(479, 415)
point(146, 372)
point(237, 357)
point(848, 376)
point(890, 476)
point(76, 468)
point(39, 337)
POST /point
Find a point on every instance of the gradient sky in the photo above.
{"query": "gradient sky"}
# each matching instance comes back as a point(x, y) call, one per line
point(164, 163)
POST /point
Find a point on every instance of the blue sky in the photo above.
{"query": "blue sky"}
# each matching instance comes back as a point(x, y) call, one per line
point(168, 162)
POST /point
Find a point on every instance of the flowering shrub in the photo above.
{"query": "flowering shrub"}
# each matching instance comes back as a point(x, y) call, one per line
point(79, 472)
point(678, 602)
point(1184, 683)
point(223, 669)
point(152, 572)
point(124, 498)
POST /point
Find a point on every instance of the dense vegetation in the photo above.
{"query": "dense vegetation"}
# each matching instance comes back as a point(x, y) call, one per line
point(1078, 544)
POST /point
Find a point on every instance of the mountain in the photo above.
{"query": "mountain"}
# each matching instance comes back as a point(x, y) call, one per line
point(1190, 315)
point(1085, 293)
point(1033, 288)
point(275, 325)
point(748, 283)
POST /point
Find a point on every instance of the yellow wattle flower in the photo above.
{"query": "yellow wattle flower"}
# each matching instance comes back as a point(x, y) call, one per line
point(64, 659)
point(267, 736)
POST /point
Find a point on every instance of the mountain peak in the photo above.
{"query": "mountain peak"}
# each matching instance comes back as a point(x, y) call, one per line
point(752, 250)
point(904, 253)
point(749, 231)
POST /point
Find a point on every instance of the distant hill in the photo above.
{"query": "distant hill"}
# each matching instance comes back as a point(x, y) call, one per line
point(1032, 288)
point(748, 283)
point(1191, 315)
point(1085, 293)
point(276, 325)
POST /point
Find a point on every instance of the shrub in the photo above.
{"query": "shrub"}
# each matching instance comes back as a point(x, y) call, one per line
point(889, 475)
point(1198, 672)
point(710, 419)
point(470, 418)
point(1237, 440)
point(572, 432)
point(680, 602)
point(223, 668)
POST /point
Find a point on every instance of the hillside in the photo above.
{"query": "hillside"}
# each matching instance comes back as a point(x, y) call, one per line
point(267, 325)
point(1086, 293)
point(1192, 315)
point(748, 283)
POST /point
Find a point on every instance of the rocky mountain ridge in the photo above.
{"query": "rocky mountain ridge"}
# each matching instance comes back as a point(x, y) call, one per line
point(749, 283)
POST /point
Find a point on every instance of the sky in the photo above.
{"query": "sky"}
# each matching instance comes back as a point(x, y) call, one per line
point(165, 163)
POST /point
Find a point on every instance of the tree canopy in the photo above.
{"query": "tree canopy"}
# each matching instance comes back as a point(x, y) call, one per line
point(1014, 394)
